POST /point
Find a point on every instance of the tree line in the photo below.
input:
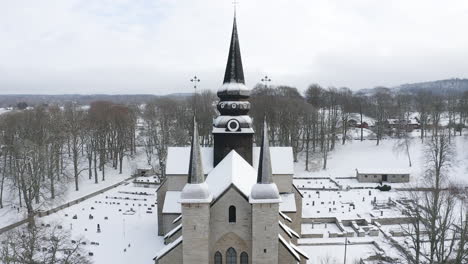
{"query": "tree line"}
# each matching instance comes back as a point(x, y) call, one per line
point(47, 147)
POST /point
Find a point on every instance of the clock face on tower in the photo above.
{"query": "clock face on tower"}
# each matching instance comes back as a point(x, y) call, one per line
point(233, 125)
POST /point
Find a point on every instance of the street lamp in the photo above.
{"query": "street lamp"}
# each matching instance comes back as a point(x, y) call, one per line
point(195, 80)
point(266, 80)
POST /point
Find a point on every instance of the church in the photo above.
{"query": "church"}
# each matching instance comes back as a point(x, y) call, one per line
point(233, 203)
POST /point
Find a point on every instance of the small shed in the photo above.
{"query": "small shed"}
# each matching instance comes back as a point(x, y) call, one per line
point(382, 175)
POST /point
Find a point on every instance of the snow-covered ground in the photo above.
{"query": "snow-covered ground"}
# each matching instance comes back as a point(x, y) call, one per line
point(324, 200)
point(10, 213)
point(128, 235)
point(344, 160)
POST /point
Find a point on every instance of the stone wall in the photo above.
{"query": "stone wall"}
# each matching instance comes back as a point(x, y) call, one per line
point(167, 220)
point(265, 230)
point(284, 256)
point(219, 223)
point(176, 182)
point(161, 197)
point(196, 232)
point(284, 182)
point(174, 256)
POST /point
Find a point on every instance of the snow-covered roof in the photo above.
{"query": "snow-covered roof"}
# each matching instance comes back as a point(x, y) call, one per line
point(289, 247)
point(178, 160)
point(233, 169)
point(282, 161)
point(173, 231)
point(244, 130)
point(196, 193)
point(383, 171)
point(288, 202)
point(285, 217)
point(169, 247)
point(264, 193)
point(299, 250)
point(177, 219)
point(171, 203)
point(288, 230)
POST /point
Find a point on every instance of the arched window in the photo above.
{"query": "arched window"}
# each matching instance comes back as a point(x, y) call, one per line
point(232, 214)
point(231, 256)
point(218, 259)
point(244, 258)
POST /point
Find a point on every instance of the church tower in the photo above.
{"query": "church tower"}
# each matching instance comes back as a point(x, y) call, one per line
point(195, 199)
point(232, 129)
point(265, 201)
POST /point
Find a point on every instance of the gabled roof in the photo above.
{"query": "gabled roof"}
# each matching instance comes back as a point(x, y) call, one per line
point(171, 203)
point(178, 160)
point(233, 169)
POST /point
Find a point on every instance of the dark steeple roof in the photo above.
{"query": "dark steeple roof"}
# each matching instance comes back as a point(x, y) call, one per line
point(195, 174)
point(264, 163)
point(234, 71)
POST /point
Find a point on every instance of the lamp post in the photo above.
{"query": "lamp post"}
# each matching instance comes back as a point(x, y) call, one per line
point(345, 247)
point(266, 80)
point(195, 80)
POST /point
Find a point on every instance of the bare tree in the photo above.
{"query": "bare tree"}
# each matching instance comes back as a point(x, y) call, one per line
point(50, 245)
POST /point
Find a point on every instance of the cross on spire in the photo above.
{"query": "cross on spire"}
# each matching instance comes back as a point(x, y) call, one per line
point(234, 3)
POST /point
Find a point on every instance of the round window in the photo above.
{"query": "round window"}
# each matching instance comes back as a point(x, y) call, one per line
point(233, 125)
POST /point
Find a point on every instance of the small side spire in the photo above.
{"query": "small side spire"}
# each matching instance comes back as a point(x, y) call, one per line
point(264, 166)
point(265, 190)
point(196, 190)
point(195, 173)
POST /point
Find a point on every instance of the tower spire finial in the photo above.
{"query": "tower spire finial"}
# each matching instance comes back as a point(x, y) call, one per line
point(195, 174)
point(234, 3)
point(234, 72)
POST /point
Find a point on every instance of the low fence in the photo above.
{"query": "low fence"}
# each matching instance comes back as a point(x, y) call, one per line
point(61, 207)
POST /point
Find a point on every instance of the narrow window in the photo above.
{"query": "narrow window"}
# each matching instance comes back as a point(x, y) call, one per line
point(218, 259)
point(244, 258)
point(232, 214)
point(231, 256)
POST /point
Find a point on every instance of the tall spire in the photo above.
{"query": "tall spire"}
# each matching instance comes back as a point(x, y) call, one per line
point(195, 174)
point(234, 72)
point(264, 164)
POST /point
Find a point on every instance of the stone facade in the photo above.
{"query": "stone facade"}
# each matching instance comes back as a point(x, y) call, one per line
point(284, 182)
point(265, 230)
point(196, 232)
point(174, 256)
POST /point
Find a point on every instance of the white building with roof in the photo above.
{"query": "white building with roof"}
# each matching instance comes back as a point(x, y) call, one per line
point(383, 175)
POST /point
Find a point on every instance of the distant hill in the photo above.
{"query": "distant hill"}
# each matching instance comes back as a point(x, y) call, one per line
point(82, 99)
point(454, 85)
point(437, 87)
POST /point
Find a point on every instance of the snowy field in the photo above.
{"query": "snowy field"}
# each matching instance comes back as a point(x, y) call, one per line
point(127, 217)
point(323, 198)
point(344, 160)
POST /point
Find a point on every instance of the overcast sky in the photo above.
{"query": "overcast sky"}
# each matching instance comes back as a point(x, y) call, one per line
point(156, 46)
